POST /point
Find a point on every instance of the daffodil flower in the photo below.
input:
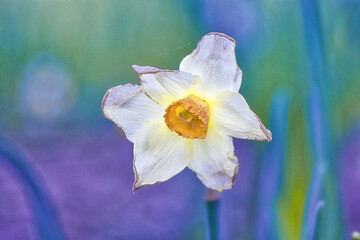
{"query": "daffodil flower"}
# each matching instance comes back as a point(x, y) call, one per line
point(187, 117)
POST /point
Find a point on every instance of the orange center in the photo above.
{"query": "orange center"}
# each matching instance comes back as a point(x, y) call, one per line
point(189, 117)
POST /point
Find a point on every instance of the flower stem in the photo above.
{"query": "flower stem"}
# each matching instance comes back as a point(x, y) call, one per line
point(212, 203)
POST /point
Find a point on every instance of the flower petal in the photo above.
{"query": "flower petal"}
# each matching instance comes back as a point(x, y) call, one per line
point(214, 61)
point(214, 161)
point(231, 115)
point(159, 154)
point(129, 108)
point(166, 86)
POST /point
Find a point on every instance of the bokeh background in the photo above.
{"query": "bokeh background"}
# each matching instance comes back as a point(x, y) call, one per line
point(66, 171)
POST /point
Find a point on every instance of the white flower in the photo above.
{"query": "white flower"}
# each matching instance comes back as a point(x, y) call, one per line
point(187, 117)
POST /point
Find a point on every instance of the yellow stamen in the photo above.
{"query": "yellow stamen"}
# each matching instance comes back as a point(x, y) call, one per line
point(189, 117)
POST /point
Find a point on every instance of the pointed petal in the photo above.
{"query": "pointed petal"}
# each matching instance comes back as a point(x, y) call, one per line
point(232, 115)
point(214, 161)
point(166, 86)
point(214, 61)
point(159, 154)
point(129, 108)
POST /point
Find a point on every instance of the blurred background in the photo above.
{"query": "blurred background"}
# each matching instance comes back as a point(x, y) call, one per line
point(66, 171)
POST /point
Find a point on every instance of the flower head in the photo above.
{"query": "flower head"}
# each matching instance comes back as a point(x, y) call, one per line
point(187, 117)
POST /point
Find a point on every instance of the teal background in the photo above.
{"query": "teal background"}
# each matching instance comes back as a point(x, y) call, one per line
point(92, 45)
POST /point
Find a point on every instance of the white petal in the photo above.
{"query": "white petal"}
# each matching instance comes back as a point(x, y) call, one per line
point(129, 107)
point(214, 161)
point(214, 61)
point(230, 114)
point(159, 154)
point(166, 86)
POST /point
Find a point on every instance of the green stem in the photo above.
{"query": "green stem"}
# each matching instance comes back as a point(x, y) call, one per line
point(212, 203)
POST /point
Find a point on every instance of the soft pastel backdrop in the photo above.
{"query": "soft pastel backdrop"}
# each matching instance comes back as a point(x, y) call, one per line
point(66, 171)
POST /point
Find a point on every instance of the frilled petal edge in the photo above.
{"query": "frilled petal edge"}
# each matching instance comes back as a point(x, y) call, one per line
point(129, 108)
